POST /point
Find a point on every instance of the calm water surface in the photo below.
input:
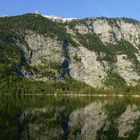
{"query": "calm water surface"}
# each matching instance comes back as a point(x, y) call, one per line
point(69, 118)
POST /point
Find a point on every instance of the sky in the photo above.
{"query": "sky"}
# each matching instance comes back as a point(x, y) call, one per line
point(73, 8)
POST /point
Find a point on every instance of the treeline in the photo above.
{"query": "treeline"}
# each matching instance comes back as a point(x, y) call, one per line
point(14, 85)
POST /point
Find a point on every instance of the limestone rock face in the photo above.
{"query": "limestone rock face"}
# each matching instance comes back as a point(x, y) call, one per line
point(89, 51)
point(111, 31)
point(125, 69)
point(43, 47)
point(88, 69)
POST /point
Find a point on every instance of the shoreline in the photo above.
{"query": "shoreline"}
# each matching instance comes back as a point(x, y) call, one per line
point(80, 95)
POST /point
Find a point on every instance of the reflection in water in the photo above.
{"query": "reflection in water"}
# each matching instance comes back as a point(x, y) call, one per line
point(67, 118)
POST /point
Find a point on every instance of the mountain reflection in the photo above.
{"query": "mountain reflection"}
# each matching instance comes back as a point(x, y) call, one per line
point(69, 118)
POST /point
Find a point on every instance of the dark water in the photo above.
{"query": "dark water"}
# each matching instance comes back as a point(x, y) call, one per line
point(69, 118)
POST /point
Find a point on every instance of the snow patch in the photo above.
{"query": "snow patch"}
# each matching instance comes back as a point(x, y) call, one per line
point(59, 18)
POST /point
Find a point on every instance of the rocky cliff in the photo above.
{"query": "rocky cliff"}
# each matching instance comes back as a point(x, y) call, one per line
point(98, 51)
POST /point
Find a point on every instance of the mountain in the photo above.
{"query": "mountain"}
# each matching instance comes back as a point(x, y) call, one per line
point(41, 53)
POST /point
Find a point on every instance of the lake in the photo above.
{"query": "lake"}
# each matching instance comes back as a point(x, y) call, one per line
point(69, 118)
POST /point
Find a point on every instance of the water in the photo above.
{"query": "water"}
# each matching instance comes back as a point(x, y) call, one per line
point(69, 118)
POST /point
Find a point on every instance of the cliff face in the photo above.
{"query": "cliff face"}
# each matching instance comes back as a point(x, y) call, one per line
point(92, 50)
point(122, 59)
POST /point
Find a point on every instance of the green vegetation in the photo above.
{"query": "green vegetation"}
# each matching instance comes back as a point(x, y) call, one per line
point(93, 42)
point(108, 52)
point(49, 69)
point(115, 81)
point(58, 109)
point(113, 21)
point(13, 85)
point(13, 29)
point(12, 58)
point(76, 58)
point(33, 22)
